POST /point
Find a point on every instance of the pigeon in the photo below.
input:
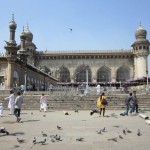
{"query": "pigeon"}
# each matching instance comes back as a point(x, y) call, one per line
point(53, 136)
point(124, 131)
point(113, 139)
point(53, 140)
point(20, 140)
point(58, 138)
point(15, 146)
point(31, 113)
point(104, 129)
point(44, 134)
point(99, 131)
point(80, 139)
point(70, 29)
point(120, 137)
point(59, 128)
point(116, 126)
point(44, 115)
point(128, 131)
point(42, 142)
point(139, 132)
point(76, 111)
point(4, 131)
point(34, 141)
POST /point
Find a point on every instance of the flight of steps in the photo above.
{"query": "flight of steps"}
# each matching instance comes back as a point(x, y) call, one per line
point(67, 101)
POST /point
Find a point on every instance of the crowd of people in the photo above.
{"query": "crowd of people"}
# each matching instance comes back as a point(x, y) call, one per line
point(15, 104)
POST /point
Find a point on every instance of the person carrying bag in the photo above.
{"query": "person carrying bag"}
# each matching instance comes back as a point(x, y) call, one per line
point(102, 103)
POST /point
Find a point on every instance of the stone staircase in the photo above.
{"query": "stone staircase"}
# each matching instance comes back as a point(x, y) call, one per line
point(62, 100)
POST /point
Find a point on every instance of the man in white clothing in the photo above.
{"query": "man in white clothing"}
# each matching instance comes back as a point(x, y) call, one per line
point(11, 102)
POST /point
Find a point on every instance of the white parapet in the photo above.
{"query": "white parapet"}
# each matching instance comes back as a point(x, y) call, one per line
point(143, 116)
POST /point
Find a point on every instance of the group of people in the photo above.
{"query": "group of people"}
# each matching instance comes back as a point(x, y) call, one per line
point(14, 105)
point(131, 103)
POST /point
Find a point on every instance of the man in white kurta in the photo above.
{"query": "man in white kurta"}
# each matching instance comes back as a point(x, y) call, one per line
point(43, 102)
point(11, 102)
point(98, 89)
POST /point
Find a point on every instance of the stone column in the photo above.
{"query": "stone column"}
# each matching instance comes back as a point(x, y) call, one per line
point(113, 75)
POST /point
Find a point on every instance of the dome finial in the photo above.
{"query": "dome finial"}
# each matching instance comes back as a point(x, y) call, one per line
point(23, 29)
point(140, 24)
point(13, 17)
point(27, 26)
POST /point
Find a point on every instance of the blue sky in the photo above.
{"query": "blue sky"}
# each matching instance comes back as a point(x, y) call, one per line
point(96, 24)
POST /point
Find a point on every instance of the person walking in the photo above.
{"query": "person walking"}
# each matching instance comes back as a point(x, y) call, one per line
point(1, 109)
point(135, 107)
point(102, 103)
point(18, 105)
point(43, 102)
point(129, 102)
point(11, 102)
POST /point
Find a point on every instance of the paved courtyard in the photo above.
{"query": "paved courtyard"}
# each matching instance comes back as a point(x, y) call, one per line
point(75, 125)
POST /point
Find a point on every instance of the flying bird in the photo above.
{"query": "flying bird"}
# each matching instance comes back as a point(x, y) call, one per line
point(70, 29)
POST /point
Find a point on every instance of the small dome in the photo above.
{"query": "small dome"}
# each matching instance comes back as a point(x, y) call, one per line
point(140, 33)
point(12, 24)
point(22, 35)
point(29, 35)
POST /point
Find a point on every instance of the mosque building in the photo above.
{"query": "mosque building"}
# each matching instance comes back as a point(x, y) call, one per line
point(23, 65)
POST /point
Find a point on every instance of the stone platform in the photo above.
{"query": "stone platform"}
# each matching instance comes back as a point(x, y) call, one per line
point(75, 125)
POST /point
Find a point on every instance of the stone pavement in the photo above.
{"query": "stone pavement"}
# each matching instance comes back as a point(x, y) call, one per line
point(74, 126)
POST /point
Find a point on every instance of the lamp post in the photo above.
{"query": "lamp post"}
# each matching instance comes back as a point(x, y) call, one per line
point(25, 82)
point(147, 78)
point(86, 89)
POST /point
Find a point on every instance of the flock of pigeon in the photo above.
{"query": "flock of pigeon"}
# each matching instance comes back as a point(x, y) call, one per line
point(57, 138)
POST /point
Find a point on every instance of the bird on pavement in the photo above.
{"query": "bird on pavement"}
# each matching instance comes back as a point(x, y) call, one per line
point(80, 139)
point(113, 139)
point(99, 131)
point(42, 142)
point(124, 131)
point(59, 128)
point(139, 132)
point(20, 140)
point(44, 134)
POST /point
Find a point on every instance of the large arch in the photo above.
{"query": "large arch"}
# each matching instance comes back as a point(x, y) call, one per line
point(80, 73)
point(123, 74)
point(103, 74)
point(64, 74)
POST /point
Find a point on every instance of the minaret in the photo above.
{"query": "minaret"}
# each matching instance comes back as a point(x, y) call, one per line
point(11, 46)
point(141, 52)
point(22, 52)
point(11, 53)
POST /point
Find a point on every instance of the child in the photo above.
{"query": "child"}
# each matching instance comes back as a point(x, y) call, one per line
point(1, 109)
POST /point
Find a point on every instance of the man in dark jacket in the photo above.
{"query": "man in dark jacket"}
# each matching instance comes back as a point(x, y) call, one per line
point(129, 103)
point(18, 104)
